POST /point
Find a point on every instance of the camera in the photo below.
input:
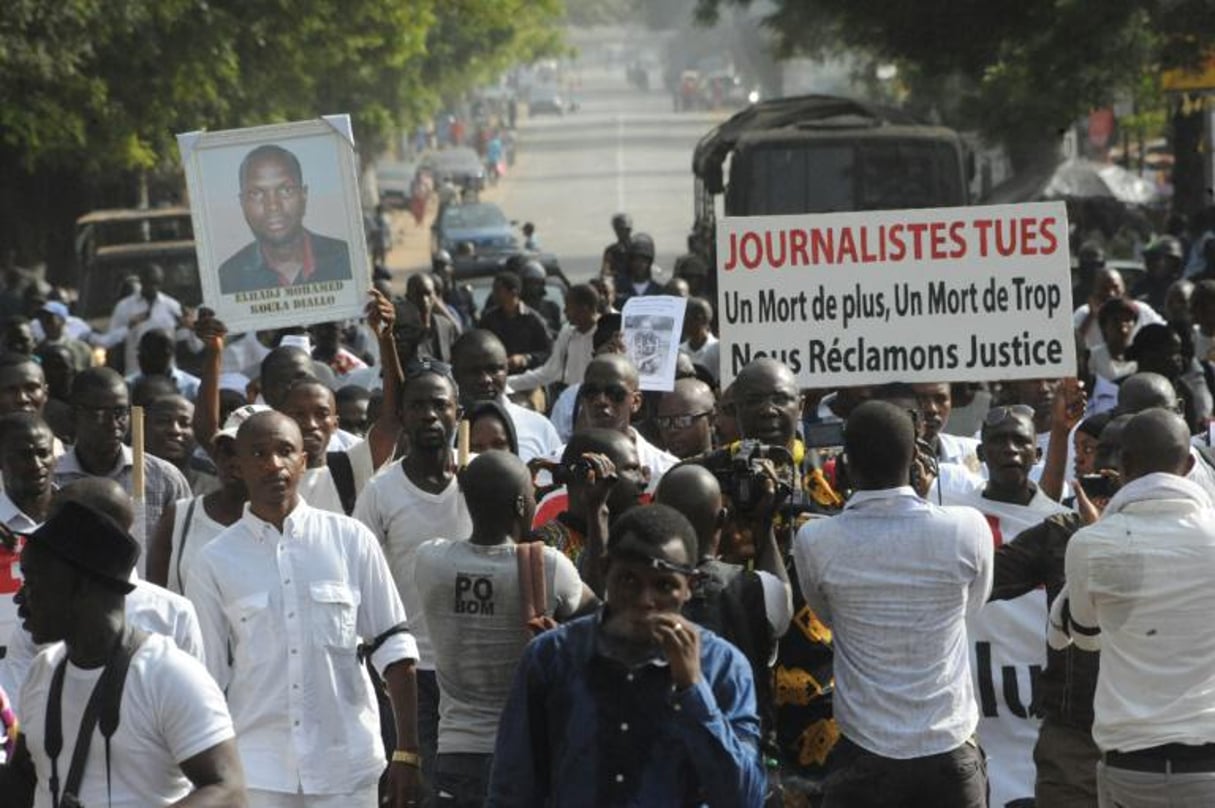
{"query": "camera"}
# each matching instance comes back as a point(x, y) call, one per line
point(743, 475)
point(575, 472)
point(1098, 486)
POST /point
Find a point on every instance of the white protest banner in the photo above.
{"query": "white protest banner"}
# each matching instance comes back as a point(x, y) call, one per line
point(277, 223)
point(950, 294)
point(653, 326)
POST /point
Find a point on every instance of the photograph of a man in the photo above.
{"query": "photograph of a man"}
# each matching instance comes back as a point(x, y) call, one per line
point(274, 199)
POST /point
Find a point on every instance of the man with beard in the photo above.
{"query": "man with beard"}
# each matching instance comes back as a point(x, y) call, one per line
point(479, 364)
point(285, 597)
point(1008, 637)
point(767, 408)
point(411, 502)
point(102, 414)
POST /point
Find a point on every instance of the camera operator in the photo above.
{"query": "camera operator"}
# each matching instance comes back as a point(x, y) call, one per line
point(603, 478)
point(905, 701)
point(767, 406)
point(1065, 755)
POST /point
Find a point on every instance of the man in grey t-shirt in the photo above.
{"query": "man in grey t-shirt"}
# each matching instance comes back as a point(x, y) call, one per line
point(473, 609)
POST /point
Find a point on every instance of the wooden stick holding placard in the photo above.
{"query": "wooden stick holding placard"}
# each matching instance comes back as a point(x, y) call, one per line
point(462, 437)
point(138, 497)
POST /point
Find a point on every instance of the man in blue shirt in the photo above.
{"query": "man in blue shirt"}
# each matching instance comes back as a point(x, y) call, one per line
point(633, 705)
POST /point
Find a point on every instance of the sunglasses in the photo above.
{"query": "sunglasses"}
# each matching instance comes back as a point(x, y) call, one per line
point(416, 367)
point(616, 393)
point(998, 415)
point(679, 421)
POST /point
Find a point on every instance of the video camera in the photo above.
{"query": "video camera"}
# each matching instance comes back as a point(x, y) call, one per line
point(743, 474)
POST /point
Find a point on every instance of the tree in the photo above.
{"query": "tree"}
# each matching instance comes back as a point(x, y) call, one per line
point(1021, 70)
point(92, 93)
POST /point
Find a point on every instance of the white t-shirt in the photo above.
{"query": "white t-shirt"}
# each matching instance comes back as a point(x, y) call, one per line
point(1145, 315)
point(1007, 641)
point(403, 517)
point(707, 356)
point(474, 616)
point(201, 529)
point(171, 711)
point(318, 489)
point(149, 607)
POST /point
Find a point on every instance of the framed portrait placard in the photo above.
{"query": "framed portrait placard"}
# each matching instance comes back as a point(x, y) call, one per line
point(277, 223)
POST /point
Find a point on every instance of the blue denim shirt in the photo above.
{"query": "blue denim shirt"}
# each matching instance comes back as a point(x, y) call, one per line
point(580, 728)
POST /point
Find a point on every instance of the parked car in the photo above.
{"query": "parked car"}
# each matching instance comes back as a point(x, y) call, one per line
point(460, 164)
point(113, 245)
point(481, 224)
point(545, 99)
point(395, 181)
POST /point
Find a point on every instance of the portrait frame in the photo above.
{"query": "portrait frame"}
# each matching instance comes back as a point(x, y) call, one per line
point(306, 261)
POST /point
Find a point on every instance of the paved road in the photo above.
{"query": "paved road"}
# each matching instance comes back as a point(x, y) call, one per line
point(622, 150)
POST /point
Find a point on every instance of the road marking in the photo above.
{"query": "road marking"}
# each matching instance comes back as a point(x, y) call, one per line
point(620, 162)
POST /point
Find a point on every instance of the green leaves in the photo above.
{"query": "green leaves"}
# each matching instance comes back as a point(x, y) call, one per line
point(103, 85)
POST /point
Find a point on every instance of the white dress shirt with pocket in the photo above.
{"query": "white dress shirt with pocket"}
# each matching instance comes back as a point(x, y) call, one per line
point(291, 609)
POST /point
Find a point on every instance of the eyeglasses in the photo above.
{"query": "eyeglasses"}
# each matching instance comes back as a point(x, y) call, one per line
point(106, 413)
point(998, 415)
point(416, 367)
point(679, 421)
point(616, 393)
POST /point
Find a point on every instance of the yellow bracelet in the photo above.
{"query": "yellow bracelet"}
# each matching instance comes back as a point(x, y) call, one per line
point(408, 758)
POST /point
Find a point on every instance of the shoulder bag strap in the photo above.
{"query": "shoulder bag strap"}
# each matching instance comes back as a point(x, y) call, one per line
point(342, 471)
point(102, 711)
point(523, 554)
point(181, 542)
point(539, 582)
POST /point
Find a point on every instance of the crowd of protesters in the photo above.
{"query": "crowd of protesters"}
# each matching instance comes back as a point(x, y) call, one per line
point(404, 560)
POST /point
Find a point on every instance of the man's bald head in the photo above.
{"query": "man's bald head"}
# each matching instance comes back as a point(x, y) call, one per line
point(265, 422)
point(1155, 441)
point(767, 402)
point(1143, 391)
point(100, 494)
point(614, 366)
point(694, 491)
point(688, 395)
point(764, 373)
point(498, 490)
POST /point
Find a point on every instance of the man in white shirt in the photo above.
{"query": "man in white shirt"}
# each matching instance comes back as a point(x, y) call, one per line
point(288, 598)
point(146, 309)
point(165, 734)
point(1007, 638)
point(936, 403)
point(1140, 592)
point(412, 502)
point(26, 462)
point(573, 348)
point(479, 364)
point(904, 698)
point(608, 398)
point(1145, 391)
point(473, 599)
point(699, 343)
point(1107, 284)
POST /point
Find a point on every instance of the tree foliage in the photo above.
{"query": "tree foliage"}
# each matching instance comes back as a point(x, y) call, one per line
point(104, 84)
point(1021, 70)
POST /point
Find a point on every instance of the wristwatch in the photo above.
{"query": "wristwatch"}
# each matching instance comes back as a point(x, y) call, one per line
point(408, 758)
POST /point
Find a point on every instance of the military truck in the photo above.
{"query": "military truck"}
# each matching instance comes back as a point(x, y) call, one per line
point(820, 154)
